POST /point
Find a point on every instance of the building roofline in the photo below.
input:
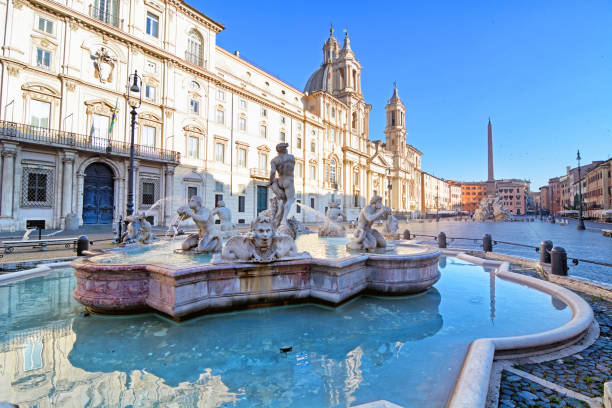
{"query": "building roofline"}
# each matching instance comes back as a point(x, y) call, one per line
point(220, 26)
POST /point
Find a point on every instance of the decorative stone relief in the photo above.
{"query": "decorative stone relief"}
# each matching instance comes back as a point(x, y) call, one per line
point(104, 64)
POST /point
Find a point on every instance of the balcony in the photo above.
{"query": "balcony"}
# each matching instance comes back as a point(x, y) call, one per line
point(19, 132)
point(194, 58)
point(260, 174)
point(105, 16)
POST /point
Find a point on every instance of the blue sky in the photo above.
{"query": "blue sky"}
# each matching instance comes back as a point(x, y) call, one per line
point(542, 70)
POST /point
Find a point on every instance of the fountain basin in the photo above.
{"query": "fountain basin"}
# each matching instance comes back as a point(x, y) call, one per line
point(188, 290)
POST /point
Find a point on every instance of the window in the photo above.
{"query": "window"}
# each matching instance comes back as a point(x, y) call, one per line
point(264, 112)
point(218, 197)
point(191, 191)
point(45, 25)
point(356, 200)
point(32, 355)
point(312, 202)
point(220, 152)
point(194, 48)
point(313, 147)
point(43, 58)
point(241, 203)
point(37, 187)
point(313, 172)
point(148, 193)
point(298, 208)
point(282, 136)
point(299, 143)
point(220, 116)
point(242, 123)
point(193, 147)
point(283, 120)
point(263, 131)
point(332, 171)
point(218, 187)
point(148, 136)
point(152, 25)
point(354, 122)
point(195, 107)
point(242, 157)
point(150, 92)
point(100, 125)
point(333, 112)
point(243, 104)
point(106, 11)
point(39, 113)
point(220, 95)
point(263, 161)
point(299, 169)
point(151, 66)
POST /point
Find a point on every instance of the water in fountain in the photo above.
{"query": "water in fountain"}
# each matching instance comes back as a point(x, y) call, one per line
point(26, 236)
point(157, 204)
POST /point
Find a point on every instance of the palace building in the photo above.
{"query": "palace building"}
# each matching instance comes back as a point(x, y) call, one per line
point(208, 123)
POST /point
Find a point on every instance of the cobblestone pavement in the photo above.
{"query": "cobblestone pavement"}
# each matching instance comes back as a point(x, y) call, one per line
point(583, 373)
point(519, 392)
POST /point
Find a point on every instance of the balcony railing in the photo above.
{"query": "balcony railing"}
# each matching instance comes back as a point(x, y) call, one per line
point(194, 58)
point(260, 174)
point(37, 135)
point(105, 16)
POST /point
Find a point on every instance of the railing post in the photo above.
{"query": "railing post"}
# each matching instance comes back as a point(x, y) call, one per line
point(545, 247)
point(558, 261)
point(487, 243)
point(406, 234)
point(441, 240)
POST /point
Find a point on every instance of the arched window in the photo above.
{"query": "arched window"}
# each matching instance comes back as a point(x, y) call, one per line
point(332, 171)
point(194, 48)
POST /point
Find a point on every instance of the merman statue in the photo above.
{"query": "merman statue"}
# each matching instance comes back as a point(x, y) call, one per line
point(226, 228)
point(207, 239)
point(367, 238)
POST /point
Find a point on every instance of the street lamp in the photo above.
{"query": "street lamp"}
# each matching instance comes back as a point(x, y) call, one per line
point(135, 101)
point(580, 220)
point(389, 186)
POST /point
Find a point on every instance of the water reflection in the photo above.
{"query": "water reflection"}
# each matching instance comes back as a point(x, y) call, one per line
point(407, 350)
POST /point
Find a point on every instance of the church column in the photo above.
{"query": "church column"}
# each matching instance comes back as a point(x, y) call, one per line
point(8, 165)
point(169, 187)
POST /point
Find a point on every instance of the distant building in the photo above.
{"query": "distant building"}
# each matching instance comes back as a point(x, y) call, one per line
point(598, 191)
point(472, 194)
point(513, 194)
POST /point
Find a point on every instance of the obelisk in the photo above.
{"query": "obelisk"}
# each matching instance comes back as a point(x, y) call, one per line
point(491, 179)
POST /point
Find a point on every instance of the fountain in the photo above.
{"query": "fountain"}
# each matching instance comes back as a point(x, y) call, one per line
point(331, 228)
point(264, 266)
point(491, 209)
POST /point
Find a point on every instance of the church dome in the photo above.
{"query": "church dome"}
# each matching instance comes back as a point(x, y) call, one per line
point(320, 80)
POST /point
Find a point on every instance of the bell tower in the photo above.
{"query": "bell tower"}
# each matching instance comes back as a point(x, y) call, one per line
point(396, 125)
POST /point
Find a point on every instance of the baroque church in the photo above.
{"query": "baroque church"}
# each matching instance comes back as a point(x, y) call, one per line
point(208, 120)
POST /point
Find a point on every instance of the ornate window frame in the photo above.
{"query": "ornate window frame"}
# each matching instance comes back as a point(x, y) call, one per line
point(155, 180)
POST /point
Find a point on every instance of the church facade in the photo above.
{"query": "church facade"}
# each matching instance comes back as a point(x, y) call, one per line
point(208, 123)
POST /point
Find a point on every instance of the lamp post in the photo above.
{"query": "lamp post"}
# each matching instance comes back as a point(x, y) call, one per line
point(580, 225)
point(389, 187)
point(437, 203)
point(135, 101)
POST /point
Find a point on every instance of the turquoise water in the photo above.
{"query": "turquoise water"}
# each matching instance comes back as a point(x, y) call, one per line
point(168, 251)
point(406, 350)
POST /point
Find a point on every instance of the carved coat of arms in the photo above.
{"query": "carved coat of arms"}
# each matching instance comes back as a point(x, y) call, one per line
point(104, 64)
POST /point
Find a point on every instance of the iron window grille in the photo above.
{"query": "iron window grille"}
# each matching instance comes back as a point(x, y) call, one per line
point(149, 192)
point(37, 187)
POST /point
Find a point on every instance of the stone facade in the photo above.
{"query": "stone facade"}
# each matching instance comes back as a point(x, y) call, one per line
point(208, 122)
